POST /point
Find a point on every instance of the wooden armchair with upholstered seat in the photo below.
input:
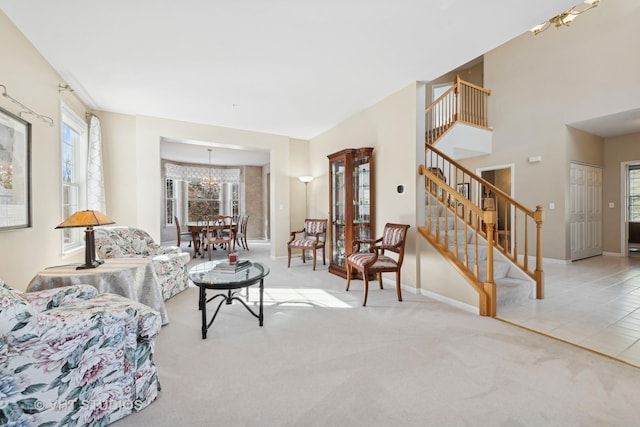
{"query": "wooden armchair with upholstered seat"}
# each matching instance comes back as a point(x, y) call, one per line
point(313, 238)
point(375, 260)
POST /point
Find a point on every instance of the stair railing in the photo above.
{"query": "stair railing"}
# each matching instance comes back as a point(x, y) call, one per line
point(445, 207)
point(463, 102)
point(519, 234)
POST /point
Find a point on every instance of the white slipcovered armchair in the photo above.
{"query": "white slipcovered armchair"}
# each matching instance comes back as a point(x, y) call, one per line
point(169, 262)
point(69, 356)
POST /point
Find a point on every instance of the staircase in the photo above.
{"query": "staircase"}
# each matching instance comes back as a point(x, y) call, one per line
point(503, 266)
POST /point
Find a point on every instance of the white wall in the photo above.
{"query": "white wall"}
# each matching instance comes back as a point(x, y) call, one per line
point(390, 127)
point(131, 163)
point(617, 151)
point(134, 173)
point(31, 80)
point(542, 83)
point(299, 167)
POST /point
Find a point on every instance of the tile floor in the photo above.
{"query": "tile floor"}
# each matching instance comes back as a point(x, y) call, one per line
point(593, 303)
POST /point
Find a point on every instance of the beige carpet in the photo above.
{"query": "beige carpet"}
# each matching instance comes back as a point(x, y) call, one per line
point(322, 359)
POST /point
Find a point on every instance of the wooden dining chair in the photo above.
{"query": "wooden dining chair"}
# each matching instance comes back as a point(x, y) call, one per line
point(241, 232)
point(218, 231)
point(181, 234)
point(375, 261)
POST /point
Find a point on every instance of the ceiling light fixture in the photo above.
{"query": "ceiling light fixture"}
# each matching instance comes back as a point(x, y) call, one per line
point(565, 18)
point(208, 183)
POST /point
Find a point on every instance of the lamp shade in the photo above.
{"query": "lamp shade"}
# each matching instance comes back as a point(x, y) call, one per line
point(305, 179)
point(86, 218)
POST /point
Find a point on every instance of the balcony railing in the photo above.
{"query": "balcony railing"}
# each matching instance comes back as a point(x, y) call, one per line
point(463, 102)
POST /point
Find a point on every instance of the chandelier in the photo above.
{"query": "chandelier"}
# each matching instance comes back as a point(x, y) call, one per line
point(209, 183)
point(565, 18)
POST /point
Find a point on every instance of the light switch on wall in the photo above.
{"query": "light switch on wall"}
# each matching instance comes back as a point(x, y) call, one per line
point(612, 205)
point(552, 206)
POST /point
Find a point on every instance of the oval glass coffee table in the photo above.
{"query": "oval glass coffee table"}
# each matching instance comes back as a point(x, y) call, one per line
point(207, 276)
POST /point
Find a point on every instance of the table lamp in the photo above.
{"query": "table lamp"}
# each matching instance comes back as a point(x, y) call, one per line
point(87, 219)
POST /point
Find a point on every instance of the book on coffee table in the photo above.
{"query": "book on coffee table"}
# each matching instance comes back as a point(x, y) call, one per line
point(226, 267)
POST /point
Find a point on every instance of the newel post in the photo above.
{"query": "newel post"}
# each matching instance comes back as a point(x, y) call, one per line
point(490, 217)
point(538, 217)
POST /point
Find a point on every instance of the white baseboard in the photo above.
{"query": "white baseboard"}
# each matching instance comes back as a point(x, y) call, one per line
point(613, 253)
point(432, 295)
point(449, 301)
point(556, 261)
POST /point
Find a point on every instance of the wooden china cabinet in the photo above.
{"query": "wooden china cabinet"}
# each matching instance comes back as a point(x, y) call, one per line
point(351, 207)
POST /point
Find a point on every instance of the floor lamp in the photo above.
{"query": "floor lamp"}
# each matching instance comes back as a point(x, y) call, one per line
point(306, 179)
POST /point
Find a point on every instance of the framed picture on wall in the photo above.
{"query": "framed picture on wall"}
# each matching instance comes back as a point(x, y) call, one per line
point(464, 189)
point(15, 172)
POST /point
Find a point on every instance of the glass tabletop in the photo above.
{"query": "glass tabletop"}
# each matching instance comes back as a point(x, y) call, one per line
point(207, 273)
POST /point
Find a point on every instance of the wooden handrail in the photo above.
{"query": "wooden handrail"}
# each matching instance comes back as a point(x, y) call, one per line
point(459, 81)
point(442, 175)
point(485, 183)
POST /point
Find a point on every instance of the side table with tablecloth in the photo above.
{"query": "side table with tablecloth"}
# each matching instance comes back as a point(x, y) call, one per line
point(134, 278)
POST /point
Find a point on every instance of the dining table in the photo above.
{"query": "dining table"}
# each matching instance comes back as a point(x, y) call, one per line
point(196, 228)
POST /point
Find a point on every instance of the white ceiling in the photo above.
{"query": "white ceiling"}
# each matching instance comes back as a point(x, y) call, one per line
point(289, 67)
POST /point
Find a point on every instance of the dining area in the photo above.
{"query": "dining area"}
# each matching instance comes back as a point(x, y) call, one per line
point(215, 232)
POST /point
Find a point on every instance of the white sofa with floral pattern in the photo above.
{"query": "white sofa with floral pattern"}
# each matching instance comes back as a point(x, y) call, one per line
point(169, 262)
point(71, 357)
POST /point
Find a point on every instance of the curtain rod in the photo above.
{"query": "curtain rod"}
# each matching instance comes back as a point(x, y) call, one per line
point(28, 110)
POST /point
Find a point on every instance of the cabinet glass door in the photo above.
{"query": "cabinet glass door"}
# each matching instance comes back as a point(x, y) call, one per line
point(338, 212)
point(351, 204)
point(361, 199)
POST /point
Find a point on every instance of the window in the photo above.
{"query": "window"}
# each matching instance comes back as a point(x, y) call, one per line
point(633, 177)
point(73, 162)
point(203, 200)
point(235, 199)
point(170, 200)
point(194, 192)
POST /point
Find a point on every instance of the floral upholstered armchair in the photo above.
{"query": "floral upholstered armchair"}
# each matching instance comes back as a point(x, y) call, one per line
point(169, 262)
point(71, 357)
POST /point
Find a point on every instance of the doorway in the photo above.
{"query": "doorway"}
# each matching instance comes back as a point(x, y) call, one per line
point(502, 178)
point(631, 205)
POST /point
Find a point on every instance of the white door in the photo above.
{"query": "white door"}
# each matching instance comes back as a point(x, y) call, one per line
point(585, 211)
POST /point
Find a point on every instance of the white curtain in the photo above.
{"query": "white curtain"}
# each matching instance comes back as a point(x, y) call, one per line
point(95, 178)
